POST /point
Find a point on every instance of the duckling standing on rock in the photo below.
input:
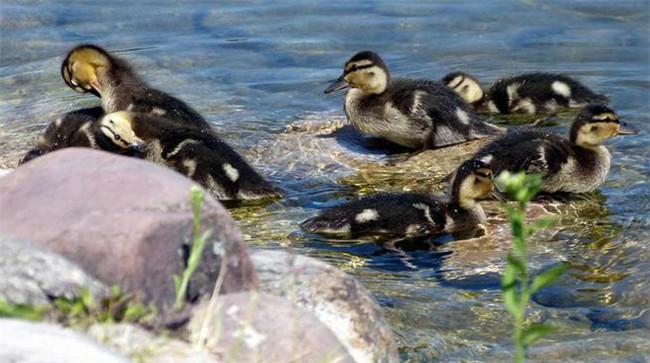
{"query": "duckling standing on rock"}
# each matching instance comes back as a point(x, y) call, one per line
point(577, 165)
point(411, 214)
point(528, 93)
point(199, 154)
point(77, 128)
point(89, 68)
point(417, 114)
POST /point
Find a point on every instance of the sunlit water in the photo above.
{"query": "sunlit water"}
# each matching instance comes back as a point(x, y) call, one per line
point(253, 69)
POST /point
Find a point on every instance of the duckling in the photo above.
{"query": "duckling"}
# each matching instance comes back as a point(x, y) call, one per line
point(528, 93)
point(417, 114)
point(577, 165)
point(89, 68)
point(411, 214)
point(78, 128)
point(198, 154)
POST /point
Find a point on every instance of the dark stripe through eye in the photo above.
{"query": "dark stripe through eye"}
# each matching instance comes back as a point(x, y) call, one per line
point(355, 67)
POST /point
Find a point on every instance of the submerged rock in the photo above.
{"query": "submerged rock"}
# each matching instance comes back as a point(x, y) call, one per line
point(32, 275)
point(337, 299)
point(124, 221)
point(333, 151)
point(27, 342)
point(257, 327)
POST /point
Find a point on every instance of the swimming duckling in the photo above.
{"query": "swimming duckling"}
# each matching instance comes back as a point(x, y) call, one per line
point(89, 68)
point(411, 214)
point(77, 128)
point(199, 154)
point(412, 113)
point(528, 93)
point(577, 165)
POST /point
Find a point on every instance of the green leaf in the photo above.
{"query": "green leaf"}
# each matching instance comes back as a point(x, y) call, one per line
point(21, 311)
point(511, 300)
point(509, 276)
point(87, 298)
point(547, 277)
point(534, 333)
point(516, 263)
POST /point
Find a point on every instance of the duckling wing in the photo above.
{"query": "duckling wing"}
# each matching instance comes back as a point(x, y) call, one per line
point(207, 159)
point(447, 117)
point(160, 104)
point(526, 150)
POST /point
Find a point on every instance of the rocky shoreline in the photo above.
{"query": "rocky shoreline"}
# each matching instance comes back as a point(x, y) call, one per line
point(81, 220)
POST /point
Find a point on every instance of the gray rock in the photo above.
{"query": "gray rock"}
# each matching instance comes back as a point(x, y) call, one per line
point(256, 327)
point(27, 342)
point(144, 347)
point(336, 298)
point(124, 221)
point(32, 275)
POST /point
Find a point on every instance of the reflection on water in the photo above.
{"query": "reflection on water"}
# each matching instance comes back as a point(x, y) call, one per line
point(257, 71)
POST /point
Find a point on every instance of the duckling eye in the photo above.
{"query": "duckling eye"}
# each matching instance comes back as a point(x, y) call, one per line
point(371, 74)
point(111, 122)
point(118, 137)
point(594, 128)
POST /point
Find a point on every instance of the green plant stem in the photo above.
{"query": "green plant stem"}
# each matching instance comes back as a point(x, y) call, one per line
point(196, 250)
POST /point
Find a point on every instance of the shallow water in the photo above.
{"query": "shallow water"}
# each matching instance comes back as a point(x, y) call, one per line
point(255, 68)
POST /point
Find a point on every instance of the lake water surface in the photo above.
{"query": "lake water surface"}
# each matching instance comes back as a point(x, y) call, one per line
point(257, 71)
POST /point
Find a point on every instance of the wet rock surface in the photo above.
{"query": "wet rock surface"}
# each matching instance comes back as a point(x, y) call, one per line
point(27, 342)
point(336, 298)
point(145, 347)
point(124, 221)
point(258, 327)
point(32, 275)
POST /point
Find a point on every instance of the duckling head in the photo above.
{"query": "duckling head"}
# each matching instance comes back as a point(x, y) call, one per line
point(117, 127)
point(466, 86)
point(595, 124)
point(83, 68)
point(471, 181)
point(365, 71)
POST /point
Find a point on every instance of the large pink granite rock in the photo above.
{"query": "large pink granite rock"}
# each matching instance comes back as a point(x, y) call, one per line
point(124, 221)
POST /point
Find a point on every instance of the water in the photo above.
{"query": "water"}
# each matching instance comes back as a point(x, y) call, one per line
point(255, 68)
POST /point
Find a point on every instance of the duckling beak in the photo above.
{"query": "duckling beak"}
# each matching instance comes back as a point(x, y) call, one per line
point(138, 145)
point(95, 88)
point(625, 129)
point(337, 84)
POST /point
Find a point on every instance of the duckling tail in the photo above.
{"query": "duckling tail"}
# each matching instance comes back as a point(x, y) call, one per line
point(483, 128)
